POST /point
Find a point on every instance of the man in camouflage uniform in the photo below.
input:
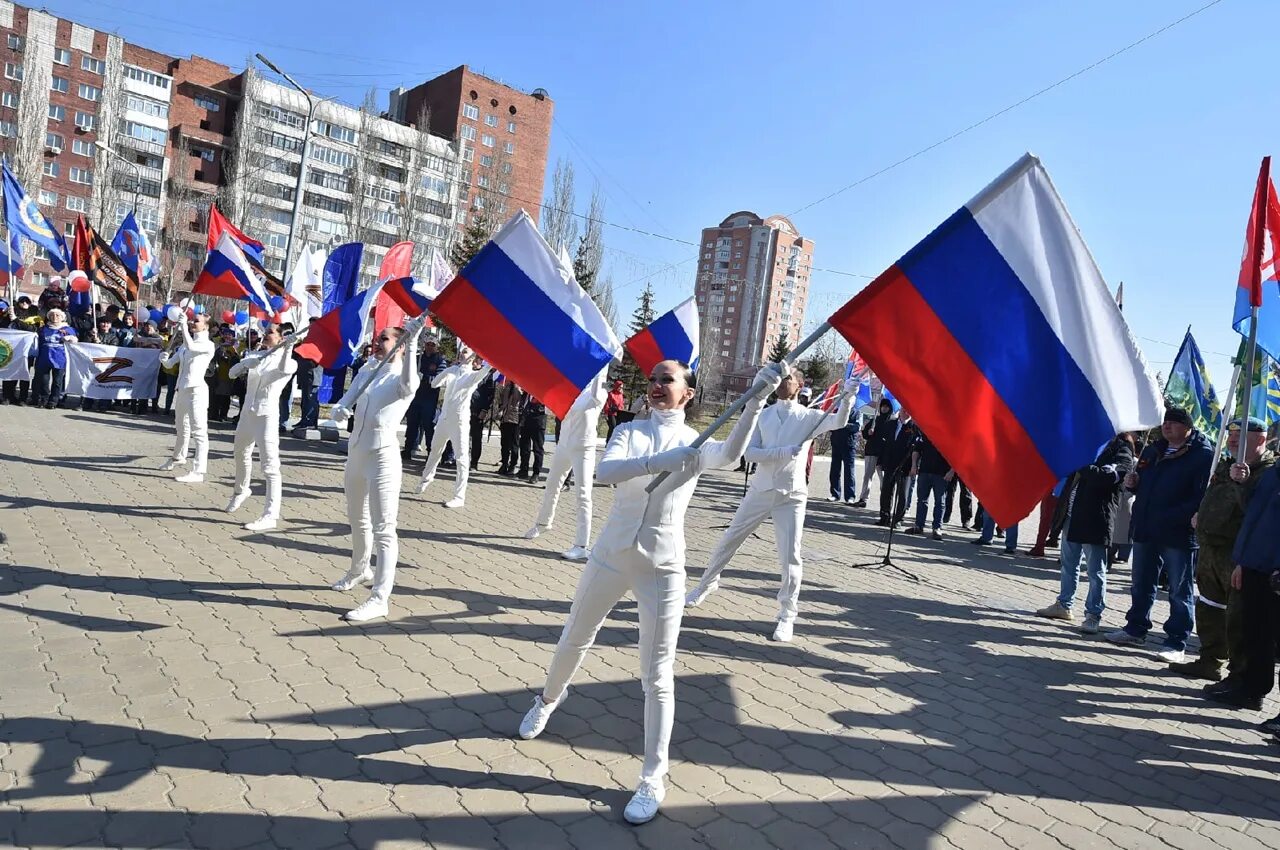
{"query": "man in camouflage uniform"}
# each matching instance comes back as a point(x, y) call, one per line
point(1218, 616)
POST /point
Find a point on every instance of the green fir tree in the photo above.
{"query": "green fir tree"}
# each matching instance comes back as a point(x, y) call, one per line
point(635, 382)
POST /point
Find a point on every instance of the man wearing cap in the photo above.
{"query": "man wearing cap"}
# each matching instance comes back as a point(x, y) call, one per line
point(1218, 613)
point(1169, 484)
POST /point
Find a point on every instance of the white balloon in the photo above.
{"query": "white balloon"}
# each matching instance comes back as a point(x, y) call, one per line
point(174, 313)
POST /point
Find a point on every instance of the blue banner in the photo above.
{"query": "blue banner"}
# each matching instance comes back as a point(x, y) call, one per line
point(340, 280)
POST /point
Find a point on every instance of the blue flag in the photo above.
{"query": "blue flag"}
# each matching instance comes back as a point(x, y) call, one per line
point(339, 282)
point(24, 217)
point(134, 249)
point(1189, 388)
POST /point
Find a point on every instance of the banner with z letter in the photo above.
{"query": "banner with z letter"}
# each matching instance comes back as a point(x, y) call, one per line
point(110, 372)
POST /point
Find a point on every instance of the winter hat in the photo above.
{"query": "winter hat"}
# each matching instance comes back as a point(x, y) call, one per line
point(1177, 414)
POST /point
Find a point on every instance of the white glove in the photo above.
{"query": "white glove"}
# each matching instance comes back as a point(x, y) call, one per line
point(675, 461)
point(851, 386)
point(771, 376)
point(339, 414)
point(796, 450)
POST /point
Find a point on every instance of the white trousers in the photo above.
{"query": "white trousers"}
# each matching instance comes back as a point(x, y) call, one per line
point(372, 484)
point(583, 464)
point(449, 431)
point(191, 415)
point(263, 432)
point(869, 464)
point(659, 593)
point(787, 510)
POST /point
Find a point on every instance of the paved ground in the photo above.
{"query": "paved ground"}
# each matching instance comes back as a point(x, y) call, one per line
point(172, 680)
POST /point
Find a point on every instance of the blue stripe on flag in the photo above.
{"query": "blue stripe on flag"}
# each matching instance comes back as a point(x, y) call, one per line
point(672, 338)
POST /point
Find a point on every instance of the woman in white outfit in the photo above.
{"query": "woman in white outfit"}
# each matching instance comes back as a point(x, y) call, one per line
point(266, 375)
point(576, 453)
point(779, 448)
point(457, 384)
point(373, 474)
point(641, 549)
point(191, 409)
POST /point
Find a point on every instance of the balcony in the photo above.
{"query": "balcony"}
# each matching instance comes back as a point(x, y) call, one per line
point(128, 143)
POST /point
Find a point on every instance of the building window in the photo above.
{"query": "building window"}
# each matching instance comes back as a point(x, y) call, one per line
point(52, 169)
point(10, 99)
point(468, 133)
point(435, 163)
point(59, 84)
point(281, 116)
point(468, 154)
point(53, 141)
point(332, 156)
point(323, 202)
point(82, 175)
point(146, 106)
point(8, 129)
point(81, 148)
point(509, 147)
point(89, 92)
point(469, 111)
point(205, 102)
point(97, 66)
point(13, 71)
point(57, 113)
point(77, 204)
point(48, 199)
point(506, 168)
point(62, 56)
point(328, 180)
point(486, 160)
point(503, 188)
point(382, 193)
point(388, 147)
point(144, 76)
point(279, 140)
point(15, 41)
point(482, 181)
point(487, 140)
point(205, 154)
point(336, 131)
point(140, 131)
point(491, 121)
point(87, 121)
point(511, 126)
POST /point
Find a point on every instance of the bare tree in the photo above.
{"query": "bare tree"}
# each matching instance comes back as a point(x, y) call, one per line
point(589, 251)
point(559, 220)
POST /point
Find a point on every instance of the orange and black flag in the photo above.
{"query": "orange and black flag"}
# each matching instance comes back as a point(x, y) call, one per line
point(94, 256)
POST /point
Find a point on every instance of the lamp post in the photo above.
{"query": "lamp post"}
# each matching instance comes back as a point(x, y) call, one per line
point(137, 172)
point(302, 167)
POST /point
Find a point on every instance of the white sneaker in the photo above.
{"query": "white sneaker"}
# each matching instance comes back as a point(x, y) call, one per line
point(783, 631)
point(700, 593)
point(266, 523)
point(534, 533)
point(535, 720)
point(1122, 637)
point(644, 804)
point(370, 609)
point(191, 478)
point(833, 498)
point(169, 464)
point(455, 503)
point(349, 581)
point(1173, 656)
point(424, 484)
point(577, 553)
point(237, 500)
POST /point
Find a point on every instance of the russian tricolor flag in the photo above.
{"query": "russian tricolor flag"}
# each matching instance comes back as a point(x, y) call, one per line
point(999, 335)
point(227, 273)
point(519, 308)
point(411, 295)
point(1259, 270)
point(672, 336)
point(334, 339)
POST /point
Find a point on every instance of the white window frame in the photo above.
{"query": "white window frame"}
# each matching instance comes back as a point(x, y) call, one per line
point(77, 204)
point(57, 112)
point(61, 84)
point(62, 56)
point(94, 66)
point(89, 92)
point(82, 176)
point(80, 147)
point(469, 110)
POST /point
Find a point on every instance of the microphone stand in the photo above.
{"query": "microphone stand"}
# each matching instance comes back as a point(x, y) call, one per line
point(887, 561)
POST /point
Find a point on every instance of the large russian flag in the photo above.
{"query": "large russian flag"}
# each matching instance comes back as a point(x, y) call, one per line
point(999, 335)
point(228, 273)
point(672, 336)
point(1259, 269)
point(334, 339)
point(519, 308)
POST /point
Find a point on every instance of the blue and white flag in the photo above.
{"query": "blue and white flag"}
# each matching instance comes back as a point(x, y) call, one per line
point(23, 216)
point(133, 248)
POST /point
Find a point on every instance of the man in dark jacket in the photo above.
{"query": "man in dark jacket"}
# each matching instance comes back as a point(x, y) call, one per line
point(421, 419)
point(1094, 497)
point(844, 453)
point(1257, 557)
point(875, 435)
point(1169, 483)
point(933, 474)
point(894, 463)
point(533, 433)
point(1218, 616)
point(481, 413)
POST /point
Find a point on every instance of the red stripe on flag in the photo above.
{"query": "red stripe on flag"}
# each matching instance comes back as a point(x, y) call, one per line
point(389, 312)
point(483, 327)
point(910, 349)
point(644, 349)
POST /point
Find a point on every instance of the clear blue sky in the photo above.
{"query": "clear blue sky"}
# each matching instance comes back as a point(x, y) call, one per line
point(687, 112)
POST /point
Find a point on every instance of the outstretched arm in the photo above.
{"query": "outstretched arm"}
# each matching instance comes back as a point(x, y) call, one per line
point(716, 454)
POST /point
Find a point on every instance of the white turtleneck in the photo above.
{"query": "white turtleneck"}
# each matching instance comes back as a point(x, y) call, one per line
point(780, 444)
point(193, 358)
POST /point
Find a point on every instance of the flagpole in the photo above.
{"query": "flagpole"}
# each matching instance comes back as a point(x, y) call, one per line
point(1247, 383)
point(756, 389)
point(1226, 416)
point(410, 329)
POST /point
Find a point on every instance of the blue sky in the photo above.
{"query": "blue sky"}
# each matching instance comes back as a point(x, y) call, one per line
point(685, 113)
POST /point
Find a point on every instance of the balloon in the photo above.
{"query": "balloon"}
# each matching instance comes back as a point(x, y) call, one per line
point(228, 316)
point(241, 317)
point(198, 309)
point(173, 312)
point(184, 303)
point(266, 324)
point(156, 315)
point(277, 303)
point(79, 282)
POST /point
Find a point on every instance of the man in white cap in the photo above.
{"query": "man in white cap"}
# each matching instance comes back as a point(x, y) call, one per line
point(456, 384)
point(266, 374)
point(192, 357)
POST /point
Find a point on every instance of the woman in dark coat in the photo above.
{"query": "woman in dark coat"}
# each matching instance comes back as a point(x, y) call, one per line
point(1092, 502)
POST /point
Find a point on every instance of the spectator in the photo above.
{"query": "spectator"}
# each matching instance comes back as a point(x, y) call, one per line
point(126, 330)
point(421, 425)
point(894, 461)
point(533, 432)
point(990, 531)
point(876, 435)
point(51, 359)
point(933, 475)
point(168, 374)
point(844, 454)
point(1218, 618)
point(639, 407)
point(309, 377)
point(22, 316)
point(1048, 507)
point(223, 385)
point(481, 415)
point(1169, 483)
point(148, 337)
point(1094, 499)
point(954, 489)
point(509, 404)
point(53, 298)
point(615, 402)
point(1257, 557)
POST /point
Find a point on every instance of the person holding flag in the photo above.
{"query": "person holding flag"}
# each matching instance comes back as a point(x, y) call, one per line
point(457, 385)
point(641, 548)
point(192, 357)
point(778, 489)
point(266, 373)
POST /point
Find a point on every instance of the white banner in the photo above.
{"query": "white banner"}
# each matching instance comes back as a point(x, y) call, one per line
point(15, 348)
point(107, 371)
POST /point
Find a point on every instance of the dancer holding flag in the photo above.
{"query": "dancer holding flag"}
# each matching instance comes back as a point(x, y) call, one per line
point(192, 357)
point(266, 372)
point(778, 489)
point(641, 549)
point(458, 384)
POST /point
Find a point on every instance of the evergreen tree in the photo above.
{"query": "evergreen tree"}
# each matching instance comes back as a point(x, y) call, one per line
point(584, 270)
point(781, 348)
point(474, 237)
point(636, 382)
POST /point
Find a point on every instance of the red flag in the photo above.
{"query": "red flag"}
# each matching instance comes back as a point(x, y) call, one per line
point(398, 263)
point(1258, 264)
point(81, 245)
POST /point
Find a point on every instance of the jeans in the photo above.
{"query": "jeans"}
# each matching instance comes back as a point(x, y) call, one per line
point(49, 384)
point(843, 457)
point(1180, 564)
point(1096, 557)
point(928, 485)
point(308, 388)
point(989, 531)
point(421, 420)
point(532, 436)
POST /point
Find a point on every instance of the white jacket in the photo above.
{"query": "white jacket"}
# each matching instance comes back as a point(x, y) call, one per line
point(578, 430)
point(266, 377)
point(379, 411)
point(655, 521)
point(193, 357)
point(457, 384)
point(783, 427)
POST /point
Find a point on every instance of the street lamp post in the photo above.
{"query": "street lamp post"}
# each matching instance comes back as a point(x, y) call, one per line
point(302, 168)
point(137, 172)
